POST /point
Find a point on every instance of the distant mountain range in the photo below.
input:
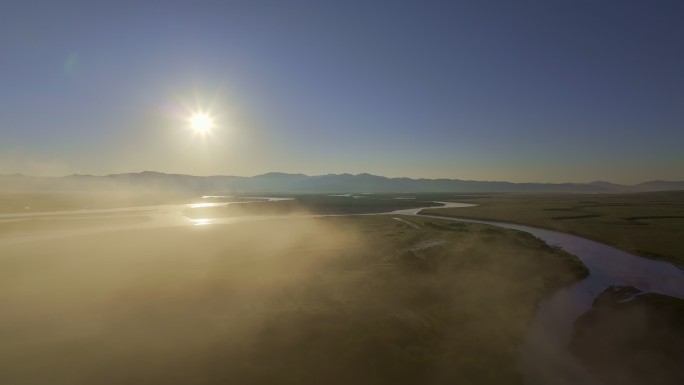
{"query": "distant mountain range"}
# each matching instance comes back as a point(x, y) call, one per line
point(276, 182)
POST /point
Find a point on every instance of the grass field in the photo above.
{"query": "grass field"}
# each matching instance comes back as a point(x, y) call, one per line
point(647, 224)
point(339, 300)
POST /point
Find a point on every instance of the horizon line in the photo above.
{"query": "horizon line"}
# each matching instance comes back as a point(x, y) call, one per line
point(334, 174)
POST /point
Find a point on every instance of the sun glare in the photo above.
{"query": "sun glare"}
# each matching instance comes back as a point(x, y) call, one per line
point(201, 122)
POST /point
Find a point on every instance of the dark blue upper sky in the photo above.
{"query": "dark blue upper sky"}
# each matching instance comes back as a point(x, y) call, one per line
point(497, 90)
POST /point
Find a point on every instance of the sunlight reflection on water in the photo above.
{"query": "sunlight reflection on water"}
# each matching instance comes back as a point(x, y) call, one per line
point(206, 204)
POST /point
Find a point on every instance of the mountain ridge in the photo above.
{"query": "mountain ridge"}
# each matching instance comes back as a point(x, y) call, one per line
point(279, 182)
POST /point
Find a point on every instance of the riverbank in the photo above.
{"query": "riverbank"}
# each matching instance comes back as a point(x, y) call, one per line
point(648, 224)
point(545, 358)
point(631, 337)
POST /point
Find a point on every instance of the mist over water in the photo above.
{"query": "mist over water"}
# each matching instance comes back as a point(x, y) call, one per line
point(237, 192)
point(284, 299)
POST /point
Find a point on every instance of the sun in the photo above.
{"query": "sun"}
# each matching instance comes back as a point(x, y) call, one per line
point(201, 122)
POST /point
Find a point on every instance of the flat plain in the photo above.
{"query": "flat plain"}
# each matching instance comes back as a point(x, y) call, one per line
point(646, 224)
point(338, 300)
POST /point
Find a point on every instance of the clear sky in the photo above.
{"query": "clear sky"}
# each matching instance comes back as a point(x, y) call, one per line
point(486, 90)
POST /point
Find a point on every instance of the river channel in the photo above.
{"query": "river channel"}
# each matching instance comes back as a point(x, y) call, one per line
point(544, 355)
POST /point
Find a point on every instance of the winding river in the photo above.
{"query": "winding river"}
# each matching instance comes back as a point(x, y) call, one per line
point(544, 357)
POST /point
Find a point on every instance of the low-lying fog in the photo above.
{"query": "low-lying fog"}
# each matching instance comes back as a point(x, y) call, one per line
point(289, 301)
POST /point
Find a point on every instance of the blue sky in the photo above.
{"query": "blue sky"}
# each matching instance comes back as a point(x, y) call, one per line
point(486, 90)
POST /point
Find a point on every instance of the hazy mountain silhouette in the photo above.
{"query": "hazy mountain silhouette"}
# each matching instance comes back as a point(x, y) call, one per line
point(276, 182)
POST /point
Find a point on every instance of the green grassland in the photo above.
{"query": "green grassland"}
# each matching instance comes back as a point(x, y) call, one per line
point(647, 224)
point(337, 300)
